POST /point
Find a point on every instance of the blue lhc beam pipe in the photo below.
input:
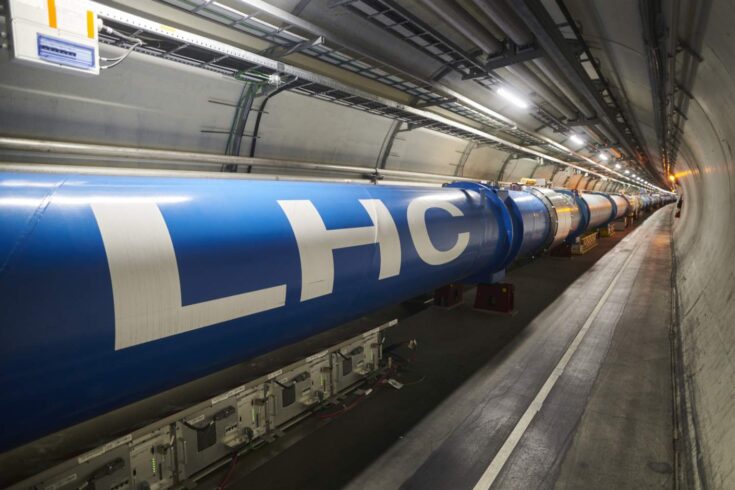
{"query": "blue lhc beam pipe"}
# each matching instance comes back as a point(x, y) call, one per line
point(531, 223)
point(114, 288)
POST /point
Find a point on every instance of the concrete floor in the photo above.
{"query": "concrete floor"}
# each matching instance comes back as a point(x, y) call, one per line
point(463, 416)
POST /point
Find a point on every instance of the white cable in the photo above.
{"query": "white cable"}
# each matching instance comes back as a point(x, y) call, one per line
point(119, 59)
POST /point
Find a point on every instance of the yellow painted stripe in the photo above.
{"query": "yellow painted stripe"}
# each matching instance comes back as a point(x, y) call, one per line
point(52, 13)
point(90, 24)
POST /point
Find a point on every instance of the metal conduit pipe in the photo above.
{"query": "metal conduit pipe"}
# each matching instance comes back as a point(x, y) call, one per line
point(468, 27)
point(203, 159)
point(530, 79)
point(462, 22)
point(605, 132)
point(547, 35)
point(61, 168)
point(552, 72)
point(508, 22)
point(500, 13)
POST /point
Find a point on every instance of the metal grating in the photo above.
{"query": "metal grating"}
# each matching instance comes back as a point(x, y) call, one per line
point(179, 52)
point(290, 38)
point(394, 18)
point(197, 56)
point(391, 16)
point(204, 53)
point(415, 121)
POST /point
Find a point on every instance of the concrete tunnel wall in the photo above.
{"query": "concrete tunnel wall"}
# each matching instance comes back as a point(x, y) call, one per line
point(704, 240)
point(103, 110)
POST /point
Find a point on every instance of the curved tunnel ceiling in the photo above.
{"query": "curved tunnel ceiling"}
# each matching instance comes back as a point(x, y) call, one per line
point(471, 101)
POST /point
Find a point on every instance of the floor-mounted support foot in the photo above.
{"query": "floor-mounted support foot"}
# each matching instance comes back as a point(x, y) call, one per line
point(495, 297)
point(449, 295)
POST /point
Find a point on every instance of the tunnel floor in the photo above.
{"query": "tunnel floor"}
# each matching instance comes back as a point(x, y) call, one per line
point(573, 391)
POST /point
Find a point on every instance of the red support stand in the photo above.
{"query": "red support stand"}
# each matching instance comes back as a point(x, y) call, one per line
point(495, 297)
point(449, 295)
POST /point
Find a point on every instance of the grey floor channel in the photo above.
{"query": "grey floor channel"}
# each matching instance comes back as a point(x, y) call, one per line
point(606, 421)
point(574, 391)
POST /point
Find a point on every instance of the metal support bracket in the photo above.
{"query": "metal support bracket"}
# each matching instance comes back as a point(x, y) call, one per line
point(683, 46)
point(276, 52)
point(512, 56)
point(592, 121)
point(684, 91)
point(436, 102)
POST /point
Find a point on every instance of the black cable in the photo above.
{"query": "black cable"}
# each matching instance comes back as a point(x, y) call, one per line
point(259, 115)
point(222, 414)
point(285, 387)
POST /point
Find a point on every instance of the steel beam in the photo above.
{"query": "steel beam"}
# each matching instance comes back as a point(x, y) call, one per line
point(387, 147)
point(508, 158)
point(307, 76)
point(512, 57)
point(183, 158)
point(318, 31)
point(654, 37)
point(459, 170)
point(550, 39)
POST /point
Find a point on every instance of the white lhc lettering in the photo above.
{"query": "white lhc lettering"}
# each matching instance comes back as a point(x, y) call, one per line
point(145, 277)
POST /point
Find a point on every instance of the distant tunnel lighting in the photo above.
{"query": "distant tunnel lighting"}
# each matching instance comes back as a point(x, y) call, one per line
point(672, 178)
point(575, 138)
point(604, 157)
point(627, 172)
point(512, 98)
point(618, 166)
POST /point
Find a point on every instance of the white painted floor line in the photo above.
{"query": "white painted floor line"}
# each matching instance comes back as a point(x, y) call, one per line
point(496, 465)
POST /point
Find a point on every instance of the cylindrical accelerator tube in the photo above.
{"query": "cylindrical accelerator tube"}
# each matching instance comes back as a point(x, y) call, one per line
point(114, 288)
point(600, 209)
point(531, 223)
point(584, 213)
point(634, 204)
point(563, 211)
point(647, 201)
point(621, 206)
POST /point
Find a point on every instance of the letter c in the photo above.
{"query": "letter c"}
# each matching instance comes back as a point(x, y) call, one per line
point(416, 215)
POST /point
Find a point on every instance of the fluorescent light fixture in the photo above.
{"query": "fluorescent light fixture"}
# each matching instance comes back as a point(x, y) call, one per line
point(512, 98)
point(618, 166)
point(575, 138)
point(604, 157)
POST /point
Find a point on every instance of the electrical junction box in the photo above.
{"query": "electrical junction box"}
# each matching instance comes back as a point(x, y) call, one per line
point(58, 34)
